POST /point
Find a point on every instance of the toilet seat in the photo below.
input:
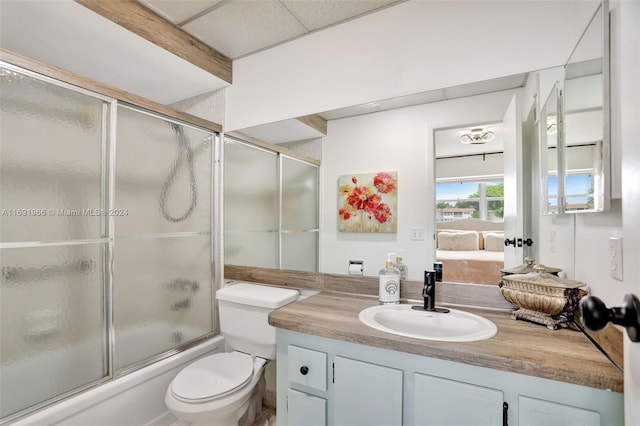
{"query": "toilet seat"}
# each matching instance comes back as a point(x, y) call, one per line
point(213, 377)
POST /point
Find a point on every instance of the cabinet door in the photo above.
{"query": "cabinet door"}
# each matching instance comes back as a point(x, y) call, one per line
point(533, 412)
point(366, 394)
point(439, 401)
point(305, 410)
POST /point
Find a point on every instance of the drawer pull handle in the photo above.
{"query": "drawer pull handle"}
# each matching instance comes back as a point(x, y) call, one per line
point(304, 370)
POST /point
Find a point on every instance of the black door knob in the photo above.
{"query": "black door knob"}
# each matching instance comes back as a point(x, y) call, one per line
point(595, 315)
point(508, 242)
point(304, 370)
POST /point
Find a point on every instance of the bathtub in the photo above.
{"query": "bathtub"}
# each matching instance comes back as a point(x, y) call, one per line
point(136, 398)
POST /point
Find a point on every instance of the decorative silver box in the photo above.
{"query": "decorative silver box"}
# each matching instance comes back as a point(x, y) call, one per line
point(527, 267)
point(542, 297)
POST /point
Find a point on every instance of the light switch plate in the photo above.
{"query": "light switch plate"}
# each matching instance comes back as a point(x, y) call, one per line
point(417, 233)
point(615, 258)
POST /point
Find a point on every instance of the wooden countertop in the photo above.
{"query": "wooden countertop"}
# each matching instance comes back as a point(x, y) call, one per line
point(519, 347)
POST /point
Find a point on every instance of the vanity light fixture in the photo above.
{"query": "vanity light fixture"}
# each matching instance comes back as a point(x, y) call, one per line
point(477, 136)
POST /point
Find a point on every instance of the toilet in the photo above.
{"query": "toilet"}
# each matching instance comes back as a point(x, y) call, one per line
point(226, 389)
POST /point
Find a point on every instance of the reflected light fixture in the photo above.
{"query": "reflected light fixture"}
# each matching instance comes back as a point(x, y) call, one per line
point(477, 136)
point(552, 128)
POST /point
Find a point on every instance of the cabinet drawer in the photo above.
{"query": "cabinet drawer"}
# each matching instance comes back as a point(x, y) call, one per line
point(306, 410)
point(307, 367)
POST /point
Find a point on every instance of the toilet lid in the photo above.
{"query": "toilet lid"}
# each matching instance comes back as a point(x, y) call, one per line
point(213, 376)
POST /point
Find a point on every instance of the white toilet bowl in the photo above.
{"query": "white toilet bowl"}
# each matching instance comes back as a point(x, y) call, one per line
point(223, 389)
point(226, 389)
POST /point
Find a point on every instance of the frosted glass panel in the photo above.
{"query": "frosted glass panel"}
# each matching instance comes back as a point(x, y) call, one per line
point(259, 249)
point(250, 188)
point(50, 168)
point(299, 195)
point(163, 176)
point(162, 295)
point(300, 251)
point(51, 322)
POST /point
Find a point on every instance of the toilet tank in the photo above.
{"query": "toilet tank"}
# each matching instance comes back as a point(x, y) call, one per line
point(244, 309)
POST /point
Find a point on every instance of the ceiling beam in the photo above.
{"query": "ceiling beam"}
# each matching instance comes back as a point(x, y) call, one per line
point(147, 24)
point(314, 121)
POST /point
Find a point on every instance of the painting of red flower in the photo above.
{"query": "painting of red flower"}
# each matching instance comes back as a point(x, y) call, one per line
point(368, 202)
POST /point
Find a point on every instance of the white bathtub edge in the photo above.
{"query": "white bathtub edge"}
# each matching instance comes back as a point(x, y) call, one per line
point(75, 405)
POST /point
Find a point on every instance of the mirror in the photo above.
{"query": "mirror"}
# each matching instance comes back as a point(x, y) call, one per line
point(549, 153)
point(398, 134)
point(584, 182)
point(470, 201)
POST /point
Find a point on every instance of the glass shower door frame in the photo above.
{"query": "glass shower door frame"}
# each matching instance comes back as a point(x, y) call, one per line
point(107, 237)
point(108, 132)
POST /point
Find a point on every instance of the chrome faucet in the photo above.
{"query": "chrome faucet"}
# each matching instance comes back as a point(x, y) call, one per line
point(429, 294)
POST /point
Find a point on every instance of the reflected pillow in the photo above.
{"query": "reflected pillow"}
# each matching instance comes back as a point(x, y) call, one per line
point(466, 240)
point(494, 241)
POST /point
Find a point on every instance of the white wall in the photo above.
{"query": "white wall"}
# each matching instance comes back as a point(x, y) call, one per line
point(400, 140)
point(625, 110)
point(411, 47)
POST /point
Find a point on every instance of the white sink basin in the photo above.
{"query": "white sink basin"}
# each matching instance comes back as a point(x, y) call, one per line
point(454, 326)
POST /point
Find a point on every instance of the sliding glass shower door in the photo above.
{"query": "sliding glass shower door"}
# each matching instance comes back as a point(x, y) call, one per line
point(105, 239)
point(162, 248)
point(271, 206)
point(52, 320)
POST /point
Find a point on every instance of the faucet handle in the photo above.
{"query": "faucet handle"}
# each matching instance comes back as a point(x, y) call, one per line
point(429, 294)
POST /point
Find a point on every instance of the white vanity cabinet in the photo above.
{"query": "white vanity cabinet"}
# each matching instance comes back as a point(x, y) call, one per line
point(372, 386)
point(366, 394)
point(533, 412)
point(438, 401)
point(306, 410)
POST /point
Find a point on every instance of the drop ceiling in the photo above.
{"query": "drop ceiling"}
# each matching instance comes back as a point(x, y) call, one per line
point(68, 35)
point(238, 28)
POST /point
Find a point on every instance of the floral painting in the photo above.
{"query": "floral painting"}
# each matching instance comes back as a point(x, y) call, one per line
point(368, 202)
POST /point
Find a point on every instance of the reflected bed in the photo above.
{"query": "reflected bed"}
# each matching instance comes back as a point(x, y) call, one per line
point(471, 250)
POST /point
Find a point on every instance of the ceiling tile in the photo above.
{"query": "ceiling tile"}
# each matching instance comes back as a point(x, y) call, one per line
point(321, 13)
point(241, 27)
point(178, 11)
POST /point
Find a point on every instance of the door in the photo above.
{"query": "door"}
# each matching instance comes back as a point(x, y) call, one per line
point(439, 401)
point(513, 186)
point(366, 394)
point(533, 412)
point(626, 35)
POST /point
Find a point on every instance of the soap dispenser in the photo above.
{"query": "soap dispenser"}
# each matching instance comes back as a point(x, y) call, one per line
point(400, 266)
point(389, 286)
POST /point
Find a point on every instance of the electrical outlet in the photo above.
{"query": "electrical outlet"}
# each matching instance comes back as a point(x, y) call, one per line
point(417, 233)
point(615, 258)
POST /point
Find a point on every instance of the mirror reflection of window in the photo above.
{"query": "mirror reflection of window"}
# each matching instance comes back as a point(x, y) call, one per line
point(463, 200)
point(579, 191)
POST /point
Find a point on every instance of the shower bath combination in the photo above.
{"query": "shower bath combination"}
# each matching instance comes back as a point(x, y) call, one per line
point(89, 298)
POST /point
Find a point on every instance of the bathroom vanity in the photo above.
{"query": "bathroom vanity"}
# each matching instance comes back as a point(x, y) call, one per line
point(334, 370)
